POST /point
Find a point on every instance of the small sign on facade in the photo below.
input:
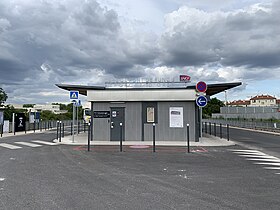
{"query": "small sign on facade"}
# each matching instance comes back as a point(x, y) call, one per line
point(185, 78)
point(176, 118)
point(150, 114)
point(101, 114)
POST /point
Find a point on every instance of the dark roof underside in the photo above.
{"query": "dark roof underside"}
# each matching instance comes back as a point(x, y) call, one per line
point(212, 89)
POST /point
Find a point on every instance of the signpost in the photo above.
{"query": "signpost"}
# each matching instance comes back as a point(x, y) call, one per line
point(74, 98)
point(201, 100)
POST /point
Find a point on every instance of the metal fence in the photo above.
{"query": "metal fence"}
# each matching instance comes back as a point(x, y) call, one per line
point(47, 125)
point(253, 124)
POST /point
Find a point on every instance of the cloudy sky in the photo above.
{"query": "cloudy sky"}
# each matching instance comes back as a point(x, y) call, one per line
point(89, 42)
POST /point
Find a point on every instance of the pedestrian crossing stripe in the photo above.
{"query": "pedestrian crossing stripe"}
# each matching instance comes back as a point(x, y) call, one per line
point(28, 144)
point(45, 142)
point(269, 162)
point(9, 146)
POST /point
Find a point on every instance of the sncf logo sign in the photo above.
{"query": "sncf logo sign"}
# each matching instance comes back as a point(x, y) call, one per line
point(184, 78)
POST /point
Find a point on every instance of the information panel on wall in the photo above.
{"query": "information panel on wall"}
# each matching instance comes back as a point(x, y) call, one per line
point(150, 114)
point(176, 119)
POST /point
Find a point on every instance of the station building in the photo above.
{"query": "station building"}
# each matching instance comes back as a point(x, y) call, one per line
point(131, 112)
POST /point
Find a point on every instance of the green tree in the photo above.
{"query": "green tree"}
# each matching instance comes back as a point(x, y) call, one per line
point(3, 97)
point(28, 105)
point(213, 106)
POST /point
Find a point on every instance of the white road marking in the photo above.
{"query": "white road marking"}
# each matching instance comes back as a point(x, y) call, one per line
point(9, 146)
point(259, 156)
point(272, 168)
point(2, 179)
point(28, 144)
point(45, 142)
point(272, 164)
point(268, 160)
point(243, 150)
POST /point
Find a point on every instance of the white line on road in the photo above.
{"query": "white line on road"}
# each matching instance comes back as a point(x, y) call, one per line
point(9, 146)
point(45, 142)
point(272, 164)
point(28, 144)
point(272, 168)
point(259, 156)
point(261, 159)
point(243, 150)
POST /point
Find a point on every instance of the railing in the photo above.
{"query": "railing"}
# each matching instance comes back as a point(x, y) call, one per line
point(257, 125)
point(45, 125)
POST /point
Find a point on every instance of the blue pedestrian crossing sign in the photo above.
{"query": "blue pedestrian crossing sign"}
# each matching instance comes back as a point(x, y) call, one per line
point(201, 101)
point(74, 95)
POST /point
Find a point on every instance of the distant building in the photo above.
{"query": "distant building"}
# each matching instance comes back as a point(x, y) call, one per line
point(259, 100)
point(263, 100)
point(242, 103)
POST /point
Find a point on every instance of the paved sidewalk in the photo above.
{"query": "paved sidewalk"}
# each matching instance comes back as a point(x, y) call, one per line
point(207, 141)
point(5, 135)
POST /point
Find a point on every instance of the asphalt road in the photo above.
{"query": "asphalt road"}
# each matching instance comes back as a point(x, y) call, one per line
point(269, 143)
point(68, 177)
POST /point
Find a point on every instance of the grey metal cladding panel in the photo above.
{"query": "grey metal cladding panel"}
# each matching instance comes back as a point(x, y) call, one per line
point(133, 121)
point(101, 126)
point(164, 132)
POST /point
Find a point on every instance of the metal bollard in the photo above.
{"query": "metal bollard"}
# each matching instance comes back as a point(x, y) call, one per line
point(227, 132)
point(210, 128)
point(34, 126)
point(121, 136)
point(205, 127)
point(88, 137)
point(71, 129)
point(25, 127)
point(60, 131)
point(188, 137)
point(1, 130)
point(215, 130)
point(221, 135)
point(154, 137)
point(57, 124)
point(14, 128)
point(84, 127)
point(78, 127)
point(63, 129)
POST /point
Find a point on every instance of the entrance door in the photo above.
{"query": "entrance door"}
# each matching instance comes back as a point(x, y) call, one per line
point(117, 117)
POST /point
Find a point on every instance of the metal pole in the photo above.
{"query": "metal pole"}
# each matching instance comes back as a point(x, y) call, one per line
point(200, 109)
point(215, 130)
point(40, 124)
point(188, 137)
point(227, 132)
point(205, 127)
point(84, 127)
point(1, 130)
point(78, 127)
point(34, 124)
point(121, 137)
point(154, 137)
point(73, 123)
point(71, 131)
point(221, 135)
point(210, 130)
point(25, 127)
point(59, 131)
point(13, 123)
point(77, 120)
point(45, 123)
point(88, 136)
point(63, 129)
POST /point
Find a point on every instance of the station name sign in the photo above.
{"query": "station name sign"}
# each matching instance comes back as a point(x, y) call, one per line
point(101, 114)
